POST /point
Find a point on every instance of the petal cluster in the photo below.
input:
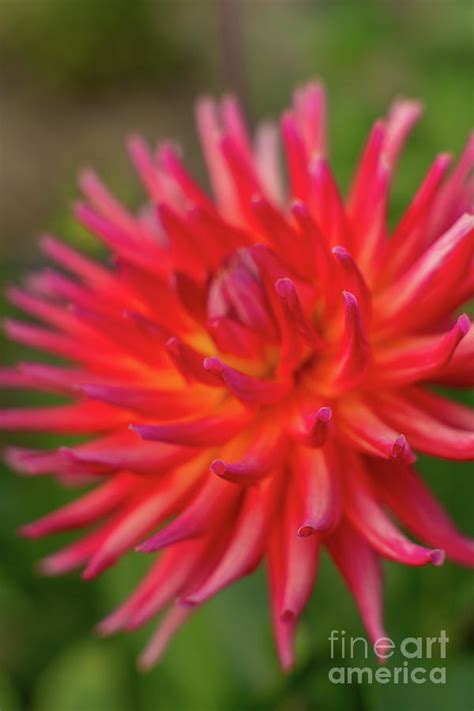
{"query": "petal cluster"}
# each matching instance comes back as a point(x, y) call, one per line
point(254, 371)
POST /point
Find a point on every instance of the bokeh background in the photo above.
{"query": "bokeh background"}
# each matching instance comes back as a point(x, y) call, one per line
point(76, 77)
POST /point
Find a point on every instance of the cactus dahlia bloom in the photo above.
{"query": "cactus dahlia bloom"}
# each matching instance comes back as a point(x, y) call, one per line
point(254, 370)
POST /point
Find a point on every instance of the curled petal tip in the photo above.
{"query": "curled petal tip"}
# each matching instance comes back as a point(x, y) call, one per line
point(350, 299)
point(317, 430)
point(464, 324)
point(284, 287)
point(218, 467)
point(298, 207)
point(172, 342)
point(398, 446)
point(305, 531)
point(324, 414)
point(340, 252)
point(437, 556)
point(140, 430)
point(213, 365)
point(188, 602)
point(401, 450)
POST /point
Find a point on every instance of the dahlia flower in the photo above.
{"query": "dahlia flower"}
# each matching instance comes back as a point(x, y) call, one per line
point(253, 370)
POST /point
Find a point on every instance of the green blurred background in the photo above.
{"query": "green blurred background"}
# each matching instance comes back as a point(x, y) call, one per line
point(76, 77)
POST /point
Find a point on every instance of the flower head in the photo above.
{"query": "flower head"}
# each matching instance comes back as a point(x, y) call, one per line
point(254, 370)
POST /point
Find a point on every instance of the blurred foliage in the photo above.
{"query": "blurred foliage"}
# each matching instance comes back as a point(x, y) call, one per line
point(87, 45)
point(73, 51)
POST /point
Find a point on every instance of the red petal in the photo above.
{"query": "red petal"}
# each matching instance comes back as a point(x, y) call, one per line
point(426, 432)
point(246, 546)
point(213, 506)
point(360, 567)
point(247, 388)
point(368, 517)
point(316, 476)
point(205, 432)
point(413, 503)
